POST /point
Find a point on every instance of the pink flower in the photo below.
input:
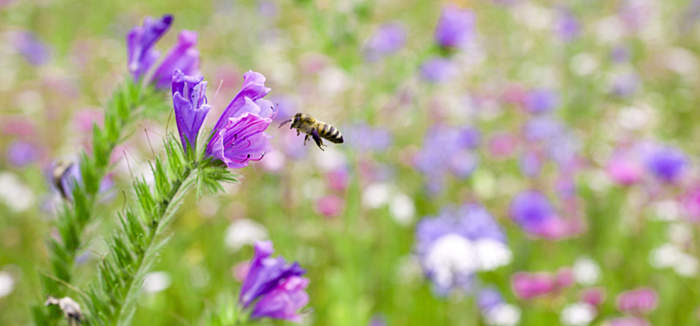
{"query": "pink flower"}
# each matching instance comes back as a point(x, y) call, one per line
point(637, 301)
point(330, 206)
point(593, 296)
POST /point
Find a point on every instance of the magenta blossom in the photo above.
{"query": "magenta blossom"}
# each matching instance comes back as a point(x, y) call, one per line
point(627, 321)
point(637, 301)
point(532, 285)
point(239, 134)
point(276, 288)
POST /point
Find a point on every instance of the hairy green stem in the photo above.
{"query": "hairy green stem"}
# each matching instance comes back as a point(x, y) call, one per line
point(78, 212)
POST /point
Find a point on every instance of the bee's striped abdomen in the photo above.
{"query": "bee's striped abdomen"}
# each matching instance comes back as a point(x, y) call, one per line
point(329, 132)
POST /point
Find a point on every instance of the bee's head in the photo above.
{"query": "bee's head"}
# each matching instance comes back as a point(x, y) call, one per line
point(298, 118)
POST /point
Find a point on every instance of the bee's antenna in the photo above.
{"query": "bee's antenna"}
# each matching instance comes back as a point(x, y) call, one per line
point(285, 122)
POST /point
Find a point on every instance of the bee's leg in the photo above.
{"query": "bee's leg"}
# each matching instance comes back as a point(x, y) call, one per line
point(317, 139)
point(297, 132)
point(305, 139)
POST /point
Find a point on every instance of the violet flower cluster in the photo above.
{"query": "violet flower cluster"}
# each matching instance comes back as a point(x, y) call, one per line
point(274, 288)
point(456, 244)
point(239, 134)
point(447, 150)
point(142, 56)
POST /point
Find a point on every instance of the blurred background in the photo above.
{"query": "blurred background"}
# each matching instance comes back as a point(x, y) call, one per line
point(506, 162)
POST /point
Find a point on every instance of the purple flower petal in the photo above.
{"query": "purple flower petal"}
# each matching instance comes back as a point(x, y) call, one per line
point(191, 108)
point(140, 41)
point(183, 56)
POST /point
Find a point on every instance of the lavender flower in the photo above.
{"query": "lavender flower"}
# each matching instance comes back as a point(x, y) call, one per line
point(190, 103)
point(459, 242)
point(21, 153)
point(139, 44)
point(447, 149)
point(365, 138)
point(183, 56)
point(437, 70)
point(666, 163)
point(534, 213)
point(541, 100)
point(31, 48)
point(567, 26)
point(276, 288)
point(455, 28)
point(388, 39)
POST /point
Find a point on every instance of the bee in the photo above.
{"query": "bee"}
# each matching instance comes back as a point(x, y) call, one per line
point(315, 129)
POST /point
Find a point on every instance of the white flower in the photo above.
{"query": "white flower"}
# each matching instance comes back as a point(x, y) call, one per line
point(14, 193)
point(586, 271)
point(7, 283)
point(450, 257)
point(665, 256)
point(686, 265)
point(583, 64)
point(330, 159)
point(503, 315)
point(667, 210)
point(376, 195)
point(156, 281)
point(577, 314)
point(492, 254)
point(402, 209)
point(242, 232)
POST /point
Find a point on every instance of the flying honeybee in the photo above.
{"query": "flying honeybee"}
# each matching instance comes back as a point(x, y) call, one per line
point(314, 128)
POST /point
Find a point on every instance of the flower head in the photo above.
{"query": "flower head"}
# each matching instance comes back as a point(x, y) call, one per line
point(139, 44)
point(190, 103)
point(388, 39)
point(31, 48)
point(183, 56)
point(437, 70)
point(455, 28)
point(239, 134)
point(541, 100)
point(639, 300)
point(458, 243)
point(666, 163)
point(277, 286)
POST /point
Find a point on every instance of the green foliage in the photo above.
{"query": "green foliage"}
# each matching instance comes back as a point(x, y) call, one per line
point(132, 249)
point(125, 107)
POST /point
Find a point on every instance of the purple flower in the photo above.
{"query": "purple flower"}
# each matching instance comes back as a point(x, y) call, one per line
point(183, 56)
point(488, 299)
point(21, 153)
point(641, 300)
point(541, 100)
point(530, 163)
point(437, 70)
point(365, 138)
point(388, 39)
point(190, 103)
point(567, 26)
point(249, 99)
point(277, 286)
point(31, 48)
point(239, 135)
point(455, 28)
point(534, 213)
point(666, 163)
point(448, 245)
point(624, 84)
point(140, 41)
point(447, 149)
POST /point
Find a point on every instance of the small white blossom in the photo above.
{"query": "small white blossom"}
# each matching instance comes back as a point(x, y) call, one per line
point(492, 254)
point(503, 315)
point(450, 257)
point(402, 209)
point(7, 283)
point(376, 195)
point(578, 314)
point(586, 271)
point(243, 232)
point(14, 193)
point(156, 281)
